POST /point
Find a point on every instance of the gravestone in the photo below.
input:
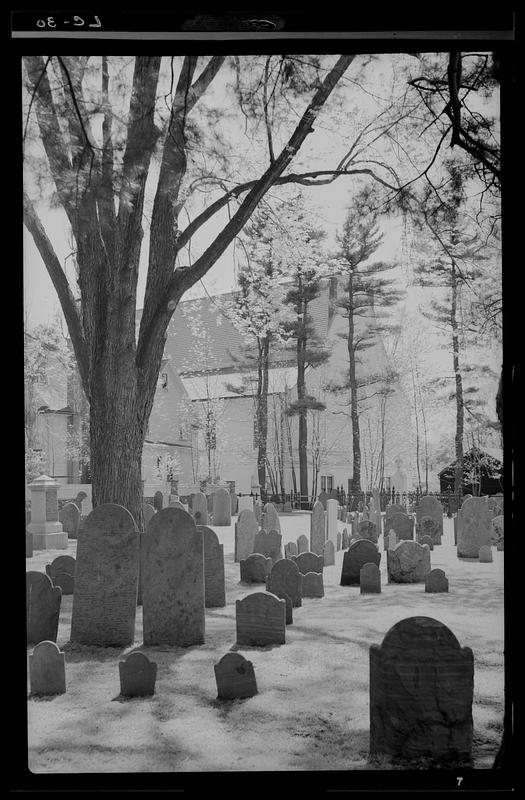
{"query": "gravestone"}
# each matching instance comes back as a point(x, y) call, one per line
point(391, 509)
point(62, 573)
point(331, 520)
point(268, 543)
point(260, 620)
point(47, 669)
point(485, 554)
point(346, 539)
point(69, 517)
point(391, 540)
point(436, 581)
point(428, 541)
point(246, 529)
point(172, 561)
point(309, 562)
point(214, 585)
point(29, 544)
point(421, 693)
point(245, 503)
point(430, 506)
point(370, 579)
point(313, 585)
point(258, 511)
point(317, 528)
point(270, 519)
point(176, 504)
point(235, 677)
point(42, 608)
point(367, 530)
point(329, 553)
point(427, 527)
point(222, 508)
point(290, 549)
point(137, 675)
point(339, 539)
point(199, 508)
point(148, 511)
point(302, 544)
point(323, 498)
point(474, 527)
point(285, 578)
point(358, 554)
point(45, 527)
point(408, 562)
point(81, 496)
point(497, 536)
point(106, 578)
point(255, 568)
point(158, 501)
point(465, 497)
point(402, 524)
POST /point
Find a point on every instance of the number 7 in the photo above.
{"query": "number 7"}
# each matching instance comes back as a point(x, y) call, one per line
point(459, 781)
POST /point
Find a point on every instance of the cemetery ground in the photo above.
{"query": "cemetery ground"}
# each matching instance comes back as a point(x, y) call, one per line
point(312, 707)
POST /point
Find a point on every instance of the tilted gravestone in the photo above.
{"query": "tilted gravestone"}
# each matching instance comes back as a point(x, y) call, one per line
point(428, 541)
point(260, 620)
point(474, 527)
point(370, 579)
point(222, 507)
point(408, 562)
point(331, 520)
point(246, 529)
point(309, 562)
point(497, 535)
point(148, 511)
point(235, 677)
point(485, 554)
point(402, 524)
point(106, 578)
point(313, 584)
point(69, 516)
point(358, 554)
point(285, 578)
point(47, 669)
point(323, 498)
point(199, 508)
point(290, 549)
point(421, 693)
point(172, 561)
point(268, 543)
point(214, 583)
point(158, 501)
point(137, 675)
point(302, 544)
point(42, 608)
point(436, 582)
point(430, 506)
point(270, 518)
point(62, 573)
point(317, 528)
point(255, 568)
point(367, 530)
point(329, 553)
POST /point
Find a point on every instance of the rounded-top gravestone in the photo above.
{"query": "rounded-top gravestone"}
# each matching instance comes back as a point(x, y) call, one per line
point(474, 527)
point(358, 554)
point(42, 607)
point(408, 562)
point(222, 507)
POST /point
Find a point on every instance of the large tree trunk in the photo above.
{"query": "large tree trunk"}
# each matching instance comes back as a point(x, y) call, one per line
point(354, 409)
point(458, 470)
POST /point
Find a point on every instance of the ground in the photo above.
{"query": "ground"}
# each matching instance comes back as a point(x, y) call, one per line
point(312, 707)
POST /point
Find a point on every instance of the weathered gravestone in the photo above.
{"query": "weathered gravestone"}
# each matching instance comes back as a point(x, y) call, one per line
point(255, 568)
point(246, 529)
point(214, 583)
point(323, 497)
point(430, 506)
point(408, 562)
point(290, 549)
point(358, 554)
point(302, 544)
point(222, 507)
point(427, 528)
point(235, 677)
point(370, 579)
point(285, 578)
point(436, 581)
point(421, 692)
point(245, 503)
point(268, 543)
point(137, 675)
point(391, 540)
point(391, 509)
point(402, 524)
point(45, 527)
point(148, 511)
point(106, 578)
point(485, 554)
point(42, 608)
point(367, 530)
point(29, 544)
point(158, 501)
point(339, 540)
point(474, 527)
point(69, 516)
point(331, 520)
point(258, 511)
point(270, 519)
point(260, 620)
point(497, 536)
point(317, 528)
point(62, 573)
point(47, 669)
point(176, 504)
point(172, 561)
point(309, 562)
point(428, 541)
point(329, 553)
point(199, 508)
point(345, 540)
point(313, 585)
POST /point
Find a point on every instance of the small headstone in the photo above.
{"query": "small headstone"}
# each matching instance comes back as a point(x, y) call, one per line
point(309, 562)
point(222, 507)
point(329, 553)
point(339, 540)
point(290, 549)
point(436, 581)
point(367, 530)
point(313, 585)
point(270, 519)
point(137, 675)
point(199, 508)
point(317, 528)
point(421, 693)
point(285, 578)
point(370, 579)
point(302, 544)
point(62, 573)
point(47, 669)
point(158, 501)
point(214, 584)
point(69, 516)
point(255, 568)
point(246, 529)
point(235, 677)
point(427, 540)
point(268, 544)
point(408, 562)
point(260, 620)
point(323, 498)
point(359, 553)
point(485, 554)
point(42, 608)
point(148, 511)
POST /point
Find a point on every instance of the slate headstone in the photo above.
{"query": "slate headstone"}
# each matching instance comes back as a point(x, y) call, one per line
point(313, 585)
point(497, 536)
point(285, 578)
point(214, 583)
point(474, 527)
point(258, 511)
point(402, 524)
point(235, 677)
point(331, 520)
point(268, 543)
point(317, 528)
point(158, 501)
point(246, 529)
point(427, 540)
point(323, 498)
point(430, 506)
point(47, 669)
point(367, 530)
point(302, 544)
point(270, 519)
point(346, 539)
point(199, 508)
point(436, 581)
point(69, 516)
point(290, 549)
point(391, 509)
point(137, 675)
point(245, 503)
point(222, 507)
point(408, 562)
point(260, 620)
point(148, 511)
point(255, 568)
point(358, 554)
point(329, 553)
point(427, 528)
point(309, 562)
point(485, 554)
point(62, 573)
point(42, 608)
point(370, 579)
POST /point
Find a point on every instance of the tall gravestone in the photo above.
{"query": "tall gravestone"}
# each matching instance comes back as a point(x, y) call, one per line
point(199, 508)
point(42, 608)
point(474, 527)
point(69, 517)
point(323, 497)
point(427, 529)
point(45, 528)
point(331, 520)
point(246, 529)
point(391, 509)
point(285, 578)
point(260, 619)
point(268, 543)
point(255, 568)
point(258, 511)
point(408, 562)
point(106, 578)
point(47, 669)
point(317, 528)
point(358, 554)
point(329, 553)
point(222, 509)
point(172, 560)
point(148, 511)
point(270, 519)
point(430, 506)
point(402, 524)
point(214, 585)
point(421, 693)
point(309, 562)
